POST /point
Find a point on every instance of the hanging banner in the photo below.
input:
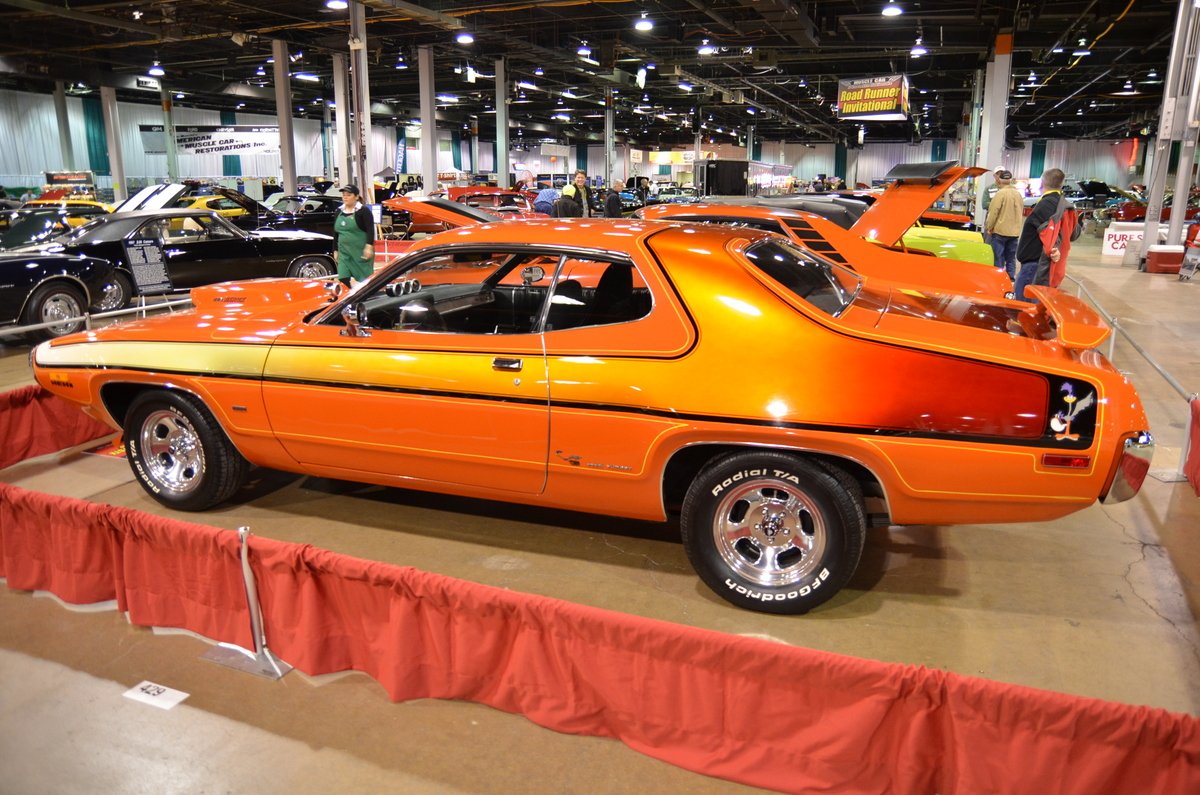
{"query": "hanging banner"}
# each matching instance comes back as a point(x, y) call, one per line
point(215, 139)
point(873, 98)
point(677, 157)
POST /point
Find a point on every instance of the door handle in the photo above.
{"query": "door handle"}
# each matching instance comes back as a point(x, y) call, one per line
point(502, 363)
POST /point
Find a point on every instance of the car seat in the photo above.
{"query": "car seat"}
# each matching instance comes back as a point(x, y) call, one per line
point(568, 307)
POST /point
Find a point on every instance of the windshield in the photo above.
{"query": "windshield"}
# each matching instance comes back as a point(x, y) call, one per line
point(826, 286)
point(26, 227)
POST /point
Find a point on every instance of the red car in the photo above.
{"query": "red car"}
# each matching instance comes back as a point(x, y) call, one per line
point(499, 203)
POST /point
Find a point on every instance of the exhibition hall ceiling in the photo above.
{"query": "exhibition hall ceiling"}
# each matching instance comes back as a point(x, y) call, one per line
point(725, 64)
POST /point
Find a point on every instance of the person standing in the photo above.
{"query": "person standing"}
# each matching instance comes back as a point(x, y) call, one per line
point(612, 204)
point(353, 238)
point(1004, 220)
point(579, 192)
point(1046, 237)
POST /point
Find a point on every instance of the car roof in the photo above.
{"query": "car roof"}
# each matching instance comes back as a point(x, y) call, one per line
point(621, 235)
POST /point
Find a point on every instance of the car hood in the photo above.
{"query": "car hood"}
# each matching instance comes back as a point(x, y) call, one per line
point(914, 188)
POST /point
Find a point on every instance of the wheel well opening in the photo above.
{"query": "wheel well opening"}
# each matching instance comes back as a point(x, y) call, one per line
point(687, 463)
point(117, 398)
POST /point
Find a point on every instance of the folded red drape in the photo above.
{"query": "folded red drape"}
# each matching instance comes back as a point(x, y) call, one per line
point(34, 422)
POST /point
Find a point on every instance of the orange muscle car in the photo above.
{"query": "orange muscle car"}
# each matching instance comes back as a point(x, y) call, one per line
point(778, 401)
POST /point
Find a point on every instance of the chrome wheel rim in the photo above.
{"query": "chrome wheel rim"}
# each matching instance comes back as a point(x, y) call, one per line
point(768, 534)
point(59, 307)
point(113, 298)
point(172, 452)
point(311, 270)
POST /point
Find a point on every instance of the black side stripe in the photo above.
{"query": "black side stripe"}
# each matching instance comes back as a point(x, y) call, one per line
point(645, 411)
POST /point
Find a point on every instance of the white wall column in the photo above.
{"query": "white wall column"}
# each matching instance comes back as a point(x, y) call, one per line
point(995, 98)
point(360, 87)
point(283, 111)
point(112, 133)
point(341, 101)
point(64, 126)
point(501, 164)
point(610, 135)
point(169, 136)
point(429, 140)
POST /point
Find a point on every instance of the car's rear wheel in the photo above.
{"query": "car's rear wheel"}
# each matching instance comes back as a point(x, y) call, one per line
point(117, 293)
point(55, 302)
point(771, 532)
point(311, 268)
point(179, 453)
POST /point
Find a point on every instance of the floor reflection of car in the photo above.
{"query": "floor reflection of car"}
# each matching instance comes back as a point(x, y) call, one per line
point(40, 287)
point(199, 247)
point(874, 404)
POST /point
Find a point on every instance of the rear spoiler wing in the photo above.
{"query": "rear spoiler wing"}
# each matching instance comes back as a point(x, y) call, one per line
point(1078, 325)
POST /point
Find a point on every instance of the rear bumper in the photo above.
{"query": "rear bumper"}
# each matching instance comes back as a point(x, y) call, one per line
point(1132, 466)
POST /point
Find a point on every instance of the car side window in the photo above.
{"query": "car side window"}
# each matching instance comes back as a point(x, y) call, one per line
point(597, 292)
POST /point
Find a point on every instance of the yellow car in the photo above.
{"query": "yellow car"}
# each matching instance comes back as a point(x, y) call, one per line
point(226, 208)
point(77, 212)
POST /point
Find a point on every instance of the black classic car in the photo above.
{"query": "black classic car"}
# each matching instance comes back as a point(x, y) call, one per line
point(40, 287)
point(198, 247)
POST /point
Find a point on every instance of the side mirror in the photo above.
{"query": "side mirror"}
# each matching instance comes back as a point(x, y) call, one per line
point(532, 273)
point(353, 315)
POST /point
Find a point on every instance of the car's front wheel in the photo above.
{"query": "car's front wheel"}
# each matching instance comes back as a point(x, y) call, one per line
point(311, 268)
point(772, 532)
point(56, 302)
point(179, 453)
point(116, 294)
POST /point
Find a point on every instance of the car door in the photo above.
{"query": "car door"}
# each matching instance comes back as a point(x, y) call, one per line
point(443, 383)
point(204, 248)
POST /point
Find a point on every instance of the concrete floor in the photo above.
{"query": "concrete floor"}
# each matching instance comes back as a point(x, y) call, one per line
point(1102, 604)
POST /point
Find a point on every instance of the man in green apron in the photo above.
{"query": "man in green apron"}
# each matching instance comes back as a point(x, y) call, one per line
point(353, 238)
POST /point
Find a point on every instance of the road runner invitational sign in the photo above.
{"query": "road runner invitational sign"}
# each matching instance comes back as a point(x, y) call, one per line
point(874, 98)
point(228, 139)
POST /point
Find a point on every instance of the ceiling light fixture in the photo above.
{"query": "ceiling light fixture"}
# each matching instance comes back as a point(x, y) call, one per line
point(644, 24)
point(539, 71)
point(465, 37)
point(584, 51)
point(918, 49)
point(705, 48)
point(306, 77)
point(891, 9)
point(337, 5)
point(1082, 49)
point(155, 70)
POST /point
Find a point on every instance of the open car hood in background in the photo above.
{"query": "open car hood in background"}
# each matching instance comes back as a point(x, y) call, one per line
point(453, 213)
point(915, 187)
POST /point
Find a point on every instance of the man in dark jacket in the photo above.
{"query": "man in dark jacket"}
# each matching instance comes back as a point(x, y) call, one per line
point(612, 204)
point(1030, 249)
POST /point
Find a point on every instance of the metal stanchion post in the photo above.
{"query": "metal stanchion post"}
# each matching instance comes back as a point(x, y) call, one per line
point(260, 662)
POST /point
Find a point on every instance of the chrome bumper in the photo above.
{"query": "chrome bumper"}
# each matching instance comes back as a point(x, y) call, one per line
point(1132, 467)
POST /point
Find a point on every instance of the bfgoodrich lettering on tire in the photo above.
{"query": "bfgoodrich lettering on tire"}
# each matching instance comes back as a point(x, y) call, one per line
point(773, 532)
point(179, 453)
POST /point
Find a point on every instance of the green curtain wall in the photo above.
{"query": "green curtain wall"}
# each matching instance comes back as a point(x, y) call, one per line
point(938, 150)
point(1037, 159)
point(581, 156)
point(231, 165)
point(839, 161)
point(664, 170)
point(97, 141)
point(456, 149)
point(756, 150)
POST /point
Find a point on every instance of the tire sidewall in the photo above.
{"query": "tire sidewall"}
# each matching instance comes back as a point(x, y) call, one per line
point(37, 302)
point(136, 418)
point(830, 572)
point(299, 264)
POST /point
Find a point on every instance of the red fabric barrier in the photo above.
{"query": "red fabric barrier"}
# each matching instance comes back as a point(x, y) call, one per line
point(761, 713)
point(163, 572)
point(34, 422)
point(1191, 467)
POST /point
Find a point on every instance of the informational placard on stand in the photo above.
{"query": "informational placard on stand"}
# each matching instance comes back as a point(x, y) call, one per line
point(149, 266)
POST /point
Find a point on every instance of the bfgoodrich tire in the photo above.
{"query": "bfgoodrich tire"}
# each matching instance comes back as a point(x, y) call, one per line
point(179, 453)
point(773, 533)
